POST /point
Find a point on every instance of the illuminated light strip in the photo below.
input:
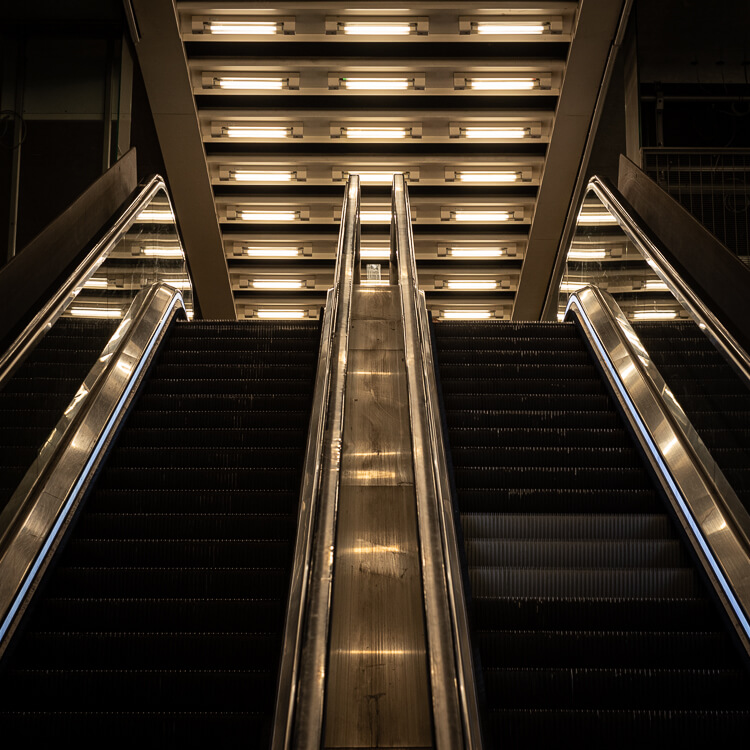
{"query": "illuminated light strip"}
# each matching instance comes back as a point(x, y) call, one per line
point(490, 132)
point(152, 214)
point(353, 132)
point(95, 312)
point(380, 253)
point(489, 176)
point(377, 84)
point(503, 84)
point(654, 314)
point(282, 314)
point(95, 284)
point(243, 27)
point(272, 252)
point(655, 285)
point(179, 283)
point(251, 84)
point(375, 177)
point(590, 219)
point(163, 252)
point(379, 29)
point(268, 215)
point(500, 27)
point(277, 284)
point(571, 286)
point(597, 253)
point(257, 176)
point(472, 284)
point(471, 252)
point(256, 132)
point(466, 314)
point(481, 215)
point(375, 216)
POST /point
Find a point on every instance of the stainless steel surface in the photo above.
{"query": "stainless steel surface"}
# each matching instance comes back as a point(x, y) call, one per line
point(59, 302)
point(303, 722)
point(37, 514)
point(717, 524)
point(378, 691)
point(450, 709)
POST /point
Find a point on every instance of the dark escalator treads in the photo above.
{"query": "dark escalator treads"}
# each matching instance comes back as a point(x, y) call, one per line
point(590, 622)
point(162, 620)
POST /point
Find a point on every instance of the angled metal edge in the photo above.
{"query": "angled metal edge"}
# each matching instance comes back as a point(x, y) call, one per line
point(447, 714)
point(299, 717)
point(41, 508)
point(43, 321)
point(717, 524)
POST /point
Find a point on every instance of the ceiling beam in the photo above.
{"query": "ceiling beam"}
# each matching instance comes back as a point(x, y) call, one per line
point(583, 87)
point(165, 72)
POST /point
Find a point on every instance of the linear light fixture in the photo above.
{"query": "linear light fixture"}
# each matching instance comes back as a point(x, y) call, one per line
point(377, 28)
point(489, 177)
point(598, 218)
point(654, 314)
point(383, 178)
point(374, 133)
point(179, 283)
point(157, 251)
point(475, 252)
point(655, 285)
point(376, 83)
point(94, 283)
point(503, 84)
point(490, 131)
point(372, 253)
point(155, 214)
point(265, 28)
point(259, 131)
point(382, 215)
point(251, 83)
point(594, 253)
point(571, 286)
point(268, 215)
point(466, 314)
point(472, 284)
point(461, 215)
point(509, 27)
point(96, 312)
point(272, 252)
point(277, 284)
point(252, 175)
point(282, 314)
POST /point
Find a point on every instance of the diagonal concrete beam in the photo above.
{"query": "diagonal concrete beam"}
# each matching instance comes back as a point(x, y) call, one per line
point(596, 28)
point(165, 72)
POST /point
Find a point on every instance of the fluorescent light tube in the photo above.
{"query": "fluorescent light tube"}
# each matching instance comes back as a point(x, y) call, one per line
point(472, 252)
point(377, 84)
point(382, 215)
point(489, 176)
point(268, 215)
point(95, 312)
point(249, 175)
point(163, 252)
point(256, 132)
point(466, 314)
point(179, 283)
point(251, 84)
point(655, 285)
point(272, 252)
point(281, 314)
point(481, 215)
point(95, 284)
point(155, 214)
point(277, 284)
point(503, 84)
point(474, 284)
point(655, 314)
point(356, 132)
point(375, 177)
point(590, 219)
point(377, 29)
point(379, 253)
point(494, 132)
point(595, 253)
point(571, 286)
point(244, 27)
point(509, 27)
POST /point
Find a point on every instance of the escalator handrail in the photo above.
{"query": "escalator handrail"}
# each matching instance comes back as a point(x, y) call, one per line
point(717, 524)
point(37, 515)
point(721, 338)
point(302, 674)
point(56, 305)
point(453, 684)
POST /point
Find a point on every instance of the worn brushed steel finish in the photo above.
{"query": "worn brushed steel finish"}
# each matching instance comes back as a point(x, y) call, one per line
point(378, 692)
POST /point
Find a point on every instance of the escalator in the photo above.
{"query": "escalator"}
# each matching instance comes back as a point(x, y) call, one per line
point(162, 619)
point(589, 617)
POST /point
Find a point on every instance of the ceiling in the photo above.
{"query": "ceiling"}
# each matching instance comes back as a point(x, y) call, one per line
point(470, 100)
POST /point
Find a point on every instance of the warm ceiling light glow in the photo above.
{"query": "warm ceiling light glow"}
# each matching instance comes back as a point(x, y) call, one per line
point(375, 177)
point(162, 252)
point(281, 314)
point(466, 314)
point(594, 253)
point(476, 252)
point(382, 215)
point(509, 27)
point(256, 132)
point(596, 219)
point(489, 176)
point(377, 84)
point(474, 284)
point(354, 132)
point(249, 175)
point(494, 132)
point(655, 285)
point(655, 314)
point(481, 215)
point(95, 284)
point(251, 83)
point(277, 284)
point(243, 27)
point(571, 286)
point(155, 214)
point(379, 28)
point(268, 215)
point(382, 253)
point(179, 283)
point(95, 312)
point(503, 84)
point(374, 282)
point(272, 252)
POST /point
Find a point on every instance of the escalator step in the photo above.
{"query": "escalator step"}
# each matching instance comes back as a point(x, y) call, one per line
point(596, 420)
point(481, 456)
point(536, 437)
point(497, 359)
point(543, 500)
point(217, 437)
point(188, 477)
point(214, 419)
point(451, 344)
point(517, 369)
point(568, 477)
point(536, 401)
point(477, 384)
point(207, 457)
point(240, 357)
point(235, 386)
point(208, 372)
point(224, 401)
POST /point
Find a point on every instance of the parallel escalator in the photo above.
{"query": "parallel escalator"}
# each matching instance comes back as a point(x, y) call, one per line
point(590, 620)
point(161, 621)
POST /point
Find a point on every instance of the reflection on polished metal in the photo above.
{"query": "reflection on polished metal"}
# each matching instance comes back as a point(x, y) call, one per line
point(34, 520)
point(378, 687)
point(659, 265)
point(454, 704)
point(718, 526)
point(70, 290)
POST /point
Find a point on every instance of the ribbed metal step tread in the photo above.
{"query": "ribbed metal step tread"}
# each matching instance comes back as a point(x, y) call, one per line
point(492, 358)
point(219, 401)
point(174, 456)
point(217, 420)
point(568, 477)
point(538, 437)
point(235, 386)
point(535, 401)
point(239, 372)
point(512, 370)
point(217, 437)
point(188, 477)
point(496, 457)
point(474, 383)
point(544, 418)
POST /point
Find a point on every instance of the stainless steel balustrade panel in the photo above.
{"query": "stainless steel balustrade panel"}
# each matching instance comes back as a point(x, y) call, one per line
point(378, 688)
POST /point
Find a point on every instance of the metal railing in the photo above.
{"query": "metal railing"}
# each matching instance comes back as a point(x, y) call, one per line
point(718, 525)
point(453, 685)
point(301, 688)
